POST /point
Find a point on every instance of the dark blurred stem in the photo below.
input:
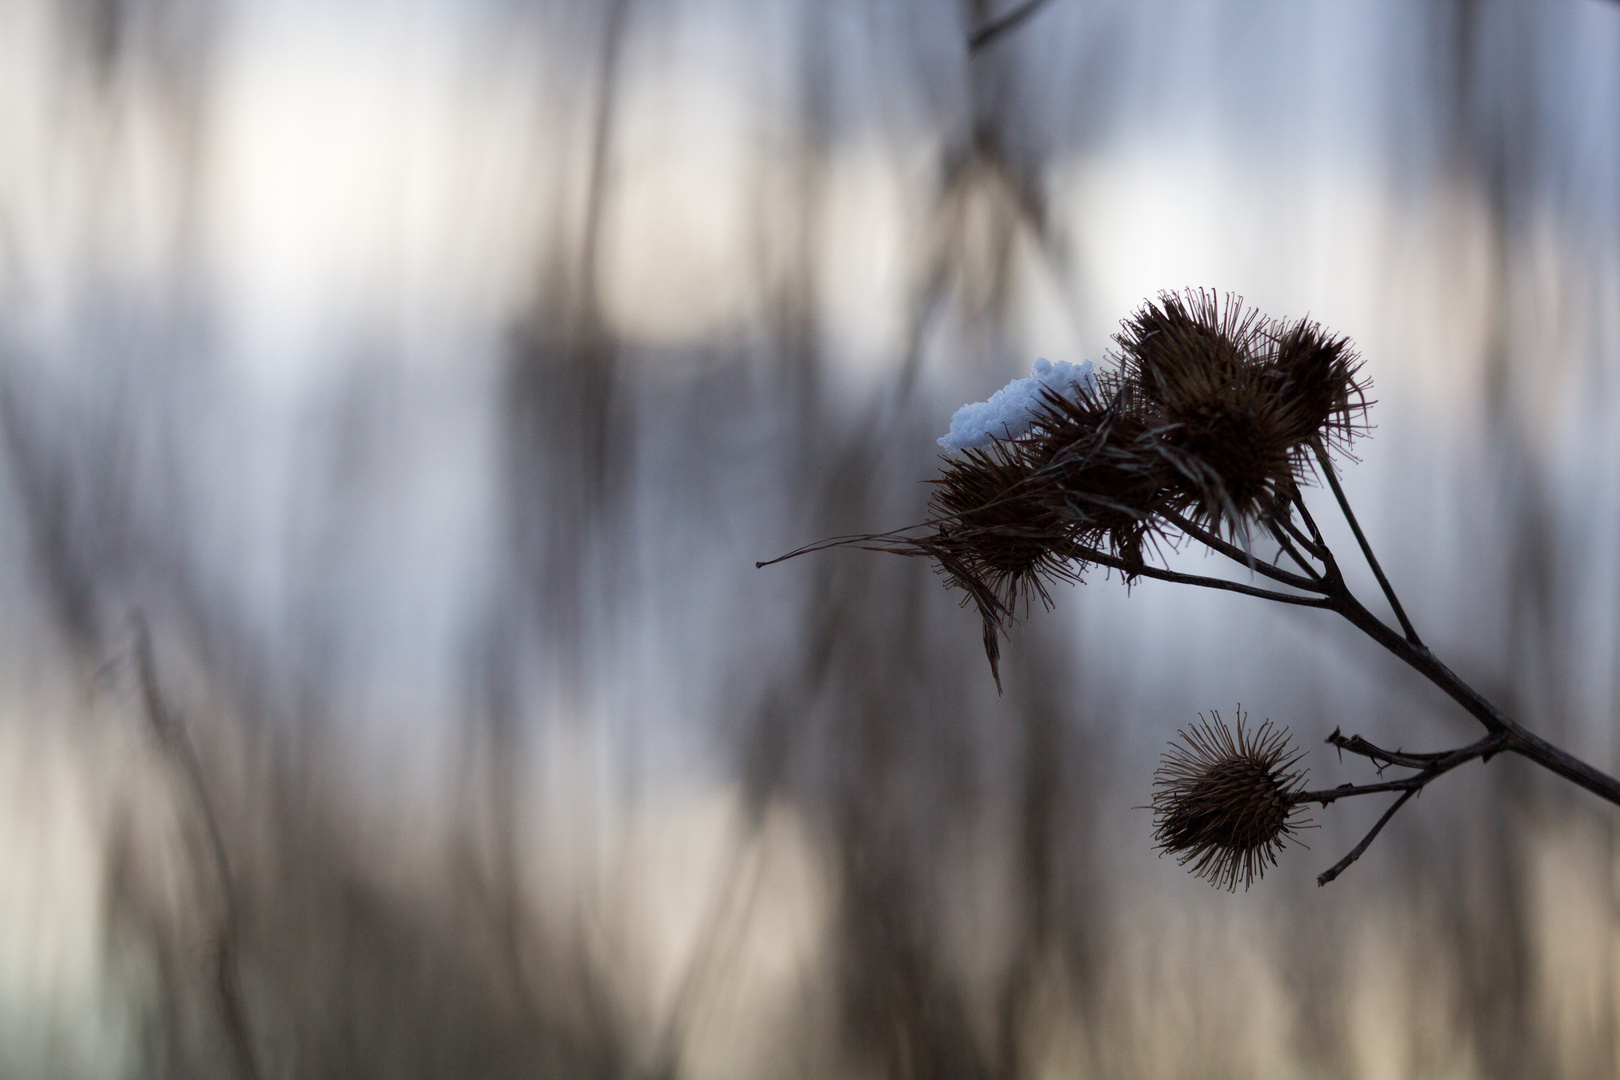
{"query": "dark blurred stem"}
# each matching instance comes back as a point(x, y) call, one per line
point(172, 737)
point(1366, 548)
point(1355, 853)
point(994, 28)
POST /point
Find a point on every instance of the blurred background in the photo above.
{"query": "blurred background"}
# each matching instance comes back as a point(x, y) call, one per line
point(395, 398)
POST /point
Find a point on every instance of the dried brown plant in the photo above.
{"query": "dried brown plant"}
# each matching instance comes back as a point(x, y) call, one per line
point(1227, 802)
point(1209, 429)
point(1240, 401)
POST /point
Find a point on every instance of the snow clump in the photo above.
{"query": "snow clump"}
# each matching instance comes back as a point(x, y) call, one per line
point(1010, 412)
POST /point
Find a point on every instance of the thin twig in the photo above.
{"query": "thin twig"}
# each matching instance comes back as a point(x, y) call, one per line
point(1316, 551)
point(1102, 558)
point(1293, 553)
point(1355, 744)
point(1527, 744)
point(1426, 774)
point(1322, 552)
point(1421, 659)
point(1000, 24)
point(1429, 766)
point(1347, 791)
point(1355, 853)
point(862, 541)
point(899, 543)
point(1366, 548)
point(1238, 555)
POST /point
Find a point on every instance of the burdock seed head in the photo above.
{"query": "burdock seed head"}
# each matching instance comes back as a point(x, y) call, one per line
point(1014, 515)
point(1224, 802)
point(1104, 472)
point(1319, 377)
point(1240, 401)
point(1187, 349)
point(998, 533)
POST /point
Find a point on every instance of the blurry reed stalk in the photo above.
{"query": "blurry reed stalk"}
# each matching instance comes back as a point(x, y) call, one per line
point(1208, 428)
point(169, 728)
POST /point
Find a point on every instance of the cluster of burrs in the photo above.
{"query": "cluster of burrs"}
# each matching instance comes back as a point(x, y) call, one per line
point(1208, 427)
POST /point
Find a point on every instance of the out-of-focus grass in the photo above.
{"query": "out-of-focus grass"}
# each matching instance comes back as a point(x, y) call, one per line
point(430, 380)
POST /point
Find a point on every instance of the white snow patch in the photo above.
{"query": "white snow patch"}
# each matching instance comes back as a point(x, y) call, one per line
point(1011, 410)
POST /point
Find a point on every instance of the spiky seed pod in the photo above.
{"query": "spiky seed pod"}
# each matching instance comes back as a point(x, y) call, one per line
point(1319, 377)
point(1018, 515)
point(1240, 401)
point(995, 536)
point(1089, 474)
point(1233, 460)
point(1224, 802)
point(1187, 348)
point(994, 517)
point(1104, 471)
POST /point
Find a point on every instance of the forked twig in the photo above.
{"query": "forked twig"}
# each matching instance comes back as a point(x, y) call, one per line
point(1241, 557)
point(1315, 550)
point(1366, 548)
point(1285, 542)
point(1428, 766)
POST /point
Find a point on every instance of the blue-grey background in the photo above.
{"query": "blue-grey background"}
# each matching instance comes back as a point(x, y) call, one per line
point(427, 377)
